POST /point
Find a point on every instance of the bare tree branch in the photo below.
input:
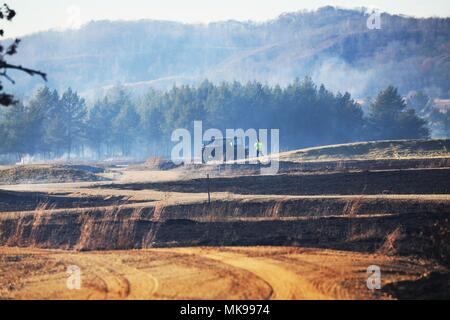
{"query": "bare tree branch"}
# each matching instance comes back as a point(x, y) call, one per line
point(31, 72)
point(7, 99)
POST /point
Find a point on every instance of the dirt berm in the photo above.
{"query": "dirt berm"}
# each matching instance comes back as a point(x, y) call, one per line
point(423, 234)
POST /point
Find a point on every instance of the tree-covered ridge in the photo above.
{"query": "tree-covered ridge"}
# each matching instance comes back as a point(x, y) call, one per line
point(332, 45)
point(52, 125)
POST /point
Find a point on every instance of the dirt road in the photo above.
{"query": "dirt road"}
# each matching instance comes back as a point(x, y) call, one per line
point(200, 273)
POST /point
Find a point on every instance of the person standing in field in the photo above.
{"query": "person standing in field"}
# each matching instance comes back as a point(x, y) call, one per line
point(258, 148)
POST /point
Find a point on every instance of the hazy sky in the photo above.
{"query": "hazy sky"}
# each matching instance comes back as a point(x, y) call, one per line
point(37, 15)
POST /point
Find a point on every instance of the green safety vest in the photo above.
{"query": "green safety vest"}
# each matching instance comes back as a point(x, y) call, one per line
point(258, 146)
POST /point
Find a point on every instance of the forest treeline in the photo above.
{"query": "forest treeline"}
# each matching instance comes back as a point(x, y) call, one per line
point(54, 125)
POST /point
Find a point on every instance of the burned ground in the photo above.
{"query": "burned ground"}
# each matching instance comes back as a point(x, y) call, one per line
point(397, 214)
point(50, 174)
point(415, 181)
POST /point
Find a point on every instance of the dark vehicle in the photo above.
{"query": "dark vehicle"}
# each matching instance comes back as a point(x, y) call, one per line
point(233, 147)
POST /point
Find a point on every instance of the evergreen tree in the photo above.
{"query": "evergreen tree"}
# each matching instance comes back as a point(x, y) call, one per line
point(44, 118)
point(73, 117)
point(98, 127)
point(389, 118)
point(14, 128)
point(126, 128)
point(152, 122)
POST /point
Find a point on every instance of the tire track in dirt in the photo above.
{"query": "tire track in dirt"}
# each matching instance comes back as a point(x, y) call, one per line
point(285, 284)
point(120, 280)
point(324, 278)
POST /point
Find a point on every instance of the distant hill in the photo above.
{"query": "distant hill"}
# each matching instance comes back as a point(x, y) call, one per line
point(334, 46)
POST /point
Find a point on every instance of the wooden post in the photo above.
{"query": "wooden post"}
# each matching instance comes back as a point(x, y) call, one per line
point(209, 190)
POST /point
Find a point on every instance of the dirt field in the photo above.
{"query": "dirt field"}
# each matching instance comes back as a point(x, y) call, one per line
point(204, 273)
point(310, 231)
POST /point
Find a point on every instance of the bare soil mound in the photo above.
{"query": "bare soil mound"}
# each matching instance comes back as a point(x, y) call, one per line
point(156, 163)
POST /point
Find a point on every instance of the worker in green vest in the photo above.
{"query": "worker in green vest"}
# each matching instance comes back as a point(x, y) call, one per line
point(258, 147)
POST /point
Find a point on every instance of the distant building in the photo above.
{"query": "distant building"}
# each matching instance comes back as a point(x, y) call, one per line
point(442, 104)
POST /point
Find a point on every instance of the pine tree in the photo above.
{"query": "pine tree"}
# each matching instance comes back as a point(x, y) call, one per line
point(389, 118)
point(43, 115)
point(14, 126)
point(126, 126)
point(98, 127)
point(73, 117)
